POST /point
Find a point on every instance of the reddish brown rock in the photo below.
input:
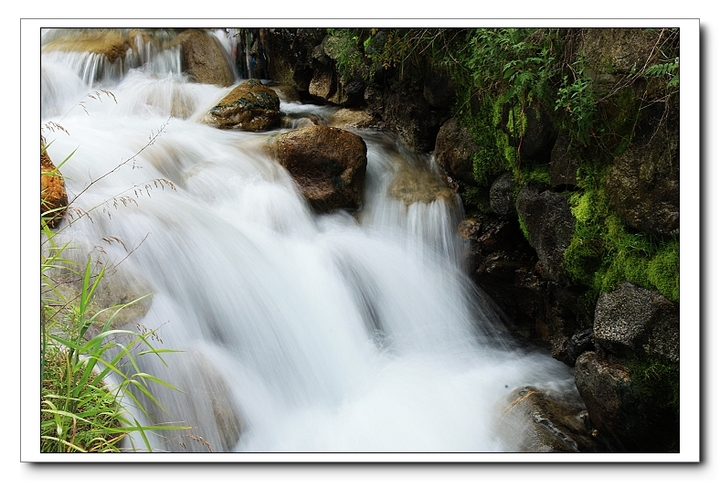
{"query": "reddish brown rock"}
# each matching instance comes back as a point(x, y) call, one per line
point(53, 196)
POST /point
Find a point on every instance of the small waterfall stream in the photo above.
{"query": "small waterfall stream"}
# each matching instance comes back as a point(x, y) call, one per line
point(295, 331)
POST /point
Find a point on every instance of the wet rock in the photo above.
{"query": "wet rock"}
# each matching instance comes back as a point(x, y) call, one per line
point(323, 84)
point(639, 320)
point(225, 412)
point(53, 196)
point(203, 401)
point(605, 388)
point(204, 59)
point(111, 43)
point(327, 84)
point(250, 106)
point(539, 137)
point(578, 344)
point(542, 421)
point(327, 163)
point(409, 116)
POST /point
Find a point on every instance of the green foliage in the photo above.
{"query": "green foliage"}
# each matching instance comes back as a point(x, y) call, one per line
point(536, 174)
point(667, 70)
point(475, 198)
point(518, 63)
point(576, 99)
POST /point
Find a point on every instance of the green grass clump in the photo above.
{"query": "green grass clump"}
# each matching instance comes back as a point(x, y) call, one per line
point(89, 368)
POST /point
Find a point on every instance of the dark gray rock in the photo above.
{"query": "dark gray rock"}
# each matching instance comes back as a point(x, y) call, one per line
point(502, 201)
point(639, 320)
point(550, 225)
point(605, 387)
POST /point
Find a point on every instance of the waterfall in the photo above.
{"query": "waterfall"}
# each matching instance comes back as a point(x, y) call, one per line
point(295, 331)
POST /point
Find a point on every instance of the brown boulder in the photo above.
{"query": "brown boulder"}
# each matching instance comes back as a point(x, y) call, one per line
point(328, 165)
point(454, 150)
point(631, 403)
point(53, 196)
point(204, 59)
point(250, 106)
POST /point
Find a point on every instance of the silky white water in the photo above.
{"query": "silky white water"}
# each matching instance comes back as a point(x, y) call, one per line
point(294, 331)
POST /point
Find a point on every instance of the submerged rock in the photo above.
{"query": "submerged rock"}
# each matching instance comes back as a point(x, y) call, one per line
point(424, 186)
point(327, 163)
point(539, 421)
point(121, 299)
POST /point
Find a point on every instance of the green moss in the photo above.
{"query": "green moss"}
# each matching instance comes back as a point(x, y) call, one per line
point(664, 270)
point(604, 252)
point(537, 174)
point(490, 160)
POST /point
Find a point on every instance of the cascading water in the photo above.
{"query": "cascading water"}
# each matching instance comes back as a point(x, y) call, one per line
point(295, 331)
